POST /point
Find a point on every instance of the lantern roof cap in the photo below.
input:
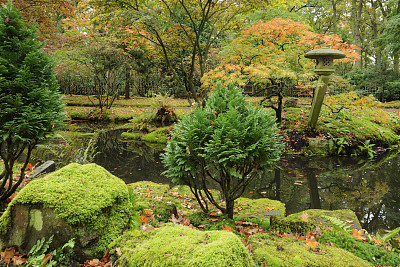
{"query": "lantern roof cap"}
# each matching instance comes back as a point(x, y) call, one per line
point(323, 52)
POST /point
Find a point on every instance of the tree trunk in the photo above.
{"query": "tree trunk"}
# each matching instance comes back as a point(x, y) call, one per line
point(229, 208)
point(127, 82)
point(334, 17)
point(396, 63)
point(279, 109)
point(356, 9)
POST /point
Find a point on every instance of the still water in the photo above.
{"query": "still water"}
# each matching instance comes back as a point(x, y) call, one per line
point(369, 188)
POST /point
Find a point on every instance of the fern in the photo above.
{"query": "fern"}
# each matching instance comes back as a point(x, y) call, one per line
point(41, 246)
point(388, 236)
point(338, 224)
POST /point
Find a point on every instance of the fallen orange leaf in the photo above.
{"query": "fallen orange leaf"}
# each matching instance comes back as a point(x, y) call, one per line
point(144, 219)
point(358, 234)
point(228, 228)
point(148, 212)
point(313, 244)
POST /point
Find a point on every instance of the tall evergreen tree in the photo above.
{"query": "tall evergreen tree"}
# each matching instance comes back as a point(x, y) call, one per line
point(30, 105)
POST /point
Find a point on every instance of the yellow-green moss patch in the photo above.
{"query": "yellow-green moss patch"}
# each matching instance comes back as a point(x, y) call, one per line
point(259, 208)
point(145, 189)
point(274, 250)
point(159, 135)
point(76, 192)
point(182, 246)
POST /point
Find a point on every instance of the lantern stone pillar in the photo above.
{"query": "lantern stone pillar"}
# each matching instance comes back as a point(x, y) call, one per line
point(324, 68)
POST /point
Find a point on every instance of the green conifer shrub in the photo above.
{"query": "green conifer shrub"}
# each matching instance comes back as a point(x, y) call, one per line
point(30, 105)
point(225, 144)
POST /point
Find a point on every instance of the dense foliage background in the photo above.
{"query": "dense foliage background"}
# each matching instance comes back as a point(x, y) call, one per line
point(181, 48)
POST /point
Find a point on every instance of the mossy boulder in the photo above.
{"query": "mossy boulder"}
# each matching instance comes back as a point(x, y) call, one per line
point(319, 217)
point(274, 250)
point(290, 225)
point(318, 146)
point(84, 202)
point(181, 246)
point(262, 208)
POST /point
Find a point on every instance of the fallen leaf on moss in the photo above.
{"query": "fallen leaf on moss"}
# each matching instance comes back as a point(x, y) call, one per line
point(358, 234)
point(313, 245)
point(304, 217)
point(148, 212)
point(146, 228)
point(228, 228)
point(118, 250)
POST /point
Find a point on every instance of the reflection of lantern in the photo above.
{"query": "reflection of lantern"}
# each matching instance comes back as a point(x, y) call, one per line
point(324, 68)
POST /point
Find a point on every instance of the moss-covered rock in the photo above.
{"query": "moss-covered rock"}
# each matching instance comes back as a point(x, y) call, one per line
point(259, 208)
point(319, 217)
point(290, 225)
point(273, 250)
point(85, 202)
point(376, 255)
point(317, 146)
point(181, 246)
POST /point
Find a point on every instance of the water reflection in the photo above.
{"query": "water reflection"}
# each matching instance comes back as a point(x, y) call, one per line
point(371, 189)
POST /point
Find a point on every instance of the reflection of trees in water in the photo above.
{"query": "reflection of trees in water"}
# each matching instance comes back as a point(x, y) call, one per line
point(131, 161)
point(371, 189)
point(65, 148)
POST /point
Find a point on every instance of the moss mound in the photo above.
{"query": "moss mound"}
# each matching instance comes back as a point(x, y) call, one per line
point(273, 250)
point(90, 200)
point(181, 246)
point(374, 254)
point(290, 225)
point(259, 208)
point(317, 217)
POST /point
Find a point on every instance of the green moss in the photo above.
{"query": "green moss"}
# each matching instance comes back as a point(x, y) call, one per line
point(216, 222)
point(162, 208)
point(76, 192)
point(274, 250)
point(5, 221)
point(314, 216)
point(145, 189)
point(159, 135)
point(182, 246)
point(259, 208)
point(361, 129)
point(290, 225)
point(81, 195)
point(374, 254)
point(132, 136)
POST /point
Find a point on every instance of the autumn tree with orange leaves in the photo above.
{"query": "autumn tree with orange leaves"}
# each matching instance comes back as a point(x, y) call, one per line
point(179, 34)
point(48, 15)
point(269, 55)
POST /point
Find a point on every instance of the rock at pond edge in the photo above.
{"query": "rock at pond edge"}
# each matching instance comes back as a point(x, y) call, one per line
point(84, 202)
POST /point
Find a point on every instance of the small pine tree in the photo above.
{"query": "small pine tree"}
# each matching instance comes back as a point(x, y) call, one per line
point(30, 105)
point(226, 142)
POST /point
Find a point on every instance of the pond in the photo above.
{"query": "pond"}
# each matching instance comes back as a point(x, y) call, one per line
point(370, 188)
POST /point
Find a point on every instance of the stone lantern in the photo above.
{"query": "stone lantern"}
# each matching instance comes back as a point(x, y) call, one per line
point(324, 68)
